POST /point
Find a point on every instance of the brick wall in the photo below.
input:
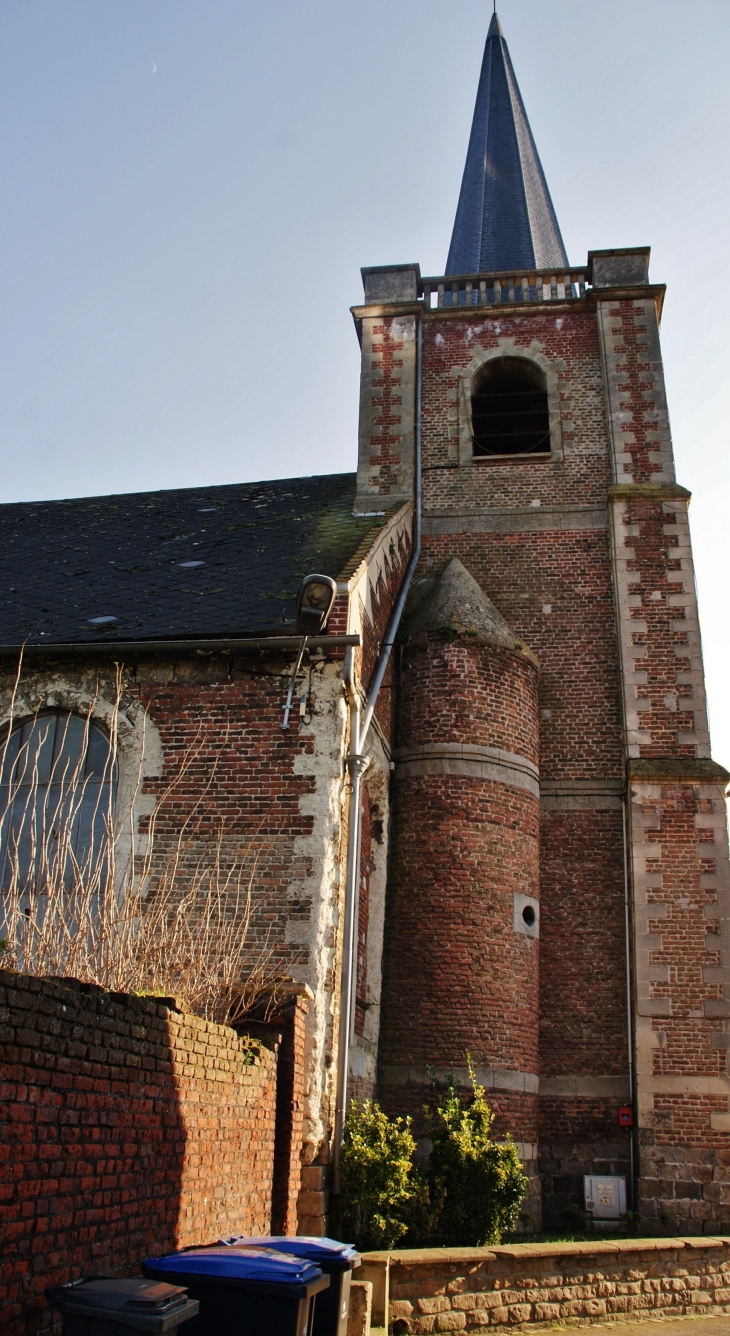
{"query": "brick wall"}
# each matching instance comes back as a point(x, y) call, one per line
point(480, 1289)
point(387, 409)
point(284, 1030)
point(568, 341)
point(233, 788)
point(583, 1001)
point(129, 1128)
point(374, 588)
point(534, 533)
point(677, 814)
point(586, 553)
point(459, 978)
point(230, 768)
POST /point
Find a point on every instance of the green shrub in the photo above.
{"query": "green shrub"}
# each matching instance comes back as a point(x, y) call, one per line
point(479, 1182)
point(375, 1176)
point(467, 1194)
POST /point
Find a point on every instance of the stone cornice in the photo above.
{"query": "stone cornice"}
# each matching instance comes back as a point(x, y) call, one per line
point(699, 769)
point(659, 491)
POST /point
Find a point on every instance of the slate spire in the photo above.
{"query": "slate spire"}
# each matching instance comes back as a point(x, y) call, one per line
point(505, 217)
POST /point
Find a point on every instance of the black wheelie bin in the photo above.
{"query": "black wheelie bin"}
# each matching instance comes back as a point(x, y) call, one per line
point(98, 1306)
point(337, 1260)
point(246, 1292)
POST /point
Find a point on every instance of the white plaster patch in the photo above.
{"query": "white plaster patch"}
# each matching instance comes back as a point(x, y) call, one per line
point(321, 851)
point(364, 1050)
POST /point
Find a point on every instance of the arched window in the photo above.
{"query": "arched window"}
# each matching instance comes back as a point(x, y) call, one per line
point(57, 788)
point(509, 408)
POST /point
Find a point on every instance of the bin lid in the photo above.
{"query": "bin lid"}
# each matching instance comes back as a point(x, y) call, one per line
point(150, 1305)
point(264, 1264)
point(129, 1296)
point(322, 1251)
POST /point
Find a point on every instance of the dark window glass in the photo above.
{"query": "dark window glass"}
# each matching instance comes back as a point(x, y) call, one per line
point(509, 409)
point(57, 792)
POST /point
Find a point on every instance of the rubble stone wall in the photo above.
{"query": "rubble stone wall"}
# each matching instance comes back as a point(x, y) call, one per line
point(479, 1289)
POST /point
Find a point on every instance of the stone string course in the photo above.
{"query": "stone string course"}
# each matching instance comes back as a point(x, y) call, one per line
point(476, 1290)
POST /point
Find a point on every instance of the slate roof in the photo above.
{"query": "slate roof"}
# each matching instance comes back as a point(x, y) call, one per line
point(505, 217)
point(203, 562)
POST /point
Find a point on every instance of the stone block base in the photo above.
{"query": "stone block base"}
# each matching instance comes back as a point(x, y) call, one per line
point(361, 1305)
point(570, 1284)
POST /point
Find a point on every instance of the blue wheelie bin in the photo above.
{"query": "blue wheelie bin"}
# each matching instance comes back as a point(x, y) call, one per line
point(337, 1260)
point(252, 1292)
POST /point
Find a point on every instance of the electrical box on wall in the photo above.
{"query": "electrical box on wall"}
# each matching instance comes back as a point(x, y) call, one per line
point(605, 1196)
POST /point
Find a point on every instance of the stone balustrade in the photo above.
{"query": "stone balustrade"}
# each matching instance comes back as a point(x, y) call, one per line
point(506, 288)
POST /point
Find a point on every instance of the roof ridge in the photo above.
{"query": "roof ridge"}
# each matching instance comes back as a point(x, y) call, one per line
point(369, 540)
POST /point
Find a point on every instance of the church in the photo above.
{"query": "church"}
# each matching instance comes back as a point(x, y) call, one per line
point(454, 702)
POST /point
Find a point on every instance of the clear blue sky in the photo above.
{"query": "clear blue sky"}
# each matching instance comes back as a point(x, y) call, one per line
point(189, 189)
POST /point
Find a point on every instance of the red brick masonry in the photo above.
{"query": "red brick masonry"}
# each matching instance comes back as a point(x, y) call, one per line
point(478, 1289)
point(127, 1128)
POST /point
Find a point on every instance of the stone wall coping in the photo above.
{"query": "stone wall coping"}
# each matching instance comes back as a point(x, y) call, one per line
point(409, 1257)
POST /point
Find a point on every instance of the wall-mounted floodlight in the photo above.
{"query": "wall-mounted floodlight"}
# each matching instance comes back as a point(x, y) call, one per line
point(314, 604)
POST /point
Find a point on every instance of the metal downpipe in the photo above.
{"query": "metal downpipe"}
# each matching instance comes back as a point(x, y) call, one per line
point(357, 764)
point(356, 767)
point(629, 1006)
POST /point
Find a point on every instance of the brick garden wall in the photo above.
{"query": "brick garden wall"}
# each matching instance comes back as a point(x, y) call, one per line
point(284, 1029)
point(475, 1290)
point(128, 1128)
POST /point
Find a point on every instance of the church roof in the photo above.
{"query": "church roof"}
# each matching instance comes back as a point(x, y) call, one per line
point(203, 562)
point(505, 217)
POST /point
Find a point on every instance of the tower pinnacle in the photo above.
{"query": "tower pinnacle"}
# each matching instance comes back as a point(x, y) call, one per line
point(505, 217)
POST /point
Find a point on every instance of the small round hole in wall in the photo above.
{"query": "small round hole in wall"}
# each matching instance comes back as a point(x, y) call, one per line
point(529, 916)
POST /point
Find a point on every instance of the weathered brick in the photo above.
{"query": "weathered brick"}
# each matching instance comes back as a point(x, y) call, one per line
point(106, 1172)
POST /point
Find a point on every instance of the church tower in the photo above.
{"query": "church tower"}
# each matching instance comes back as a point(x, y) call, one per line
point(559, 893)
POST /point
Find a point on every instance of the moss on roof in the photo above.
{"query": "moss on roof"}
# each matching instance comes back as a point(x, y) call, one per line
point(195, 562)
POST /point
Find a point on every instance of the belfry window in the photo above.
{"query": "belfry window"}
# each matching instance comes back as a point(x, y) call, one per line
point(509, 408)
point(57, 788)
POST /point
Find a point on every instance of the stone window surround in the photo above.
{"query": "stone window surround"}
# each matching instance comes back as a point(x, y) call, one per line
point(465, 377)
point(138, 754)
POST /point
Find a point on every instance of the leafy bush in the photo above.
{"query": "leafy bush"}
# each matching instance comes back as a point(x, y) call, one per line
point(375, 1176)
point(467, 1194)
point(479, 1181)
